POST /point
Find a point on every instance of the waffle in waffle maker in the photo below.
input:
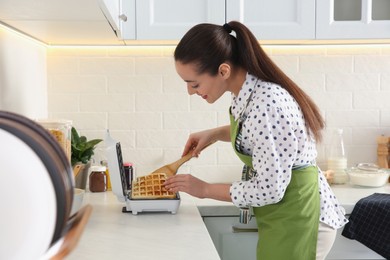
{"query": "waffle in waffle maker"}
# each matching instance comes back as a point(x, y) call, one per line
point(146, 193)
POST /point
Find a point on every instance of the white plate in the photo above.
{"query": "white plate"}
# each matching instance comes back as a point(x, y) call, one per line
point(28, 201)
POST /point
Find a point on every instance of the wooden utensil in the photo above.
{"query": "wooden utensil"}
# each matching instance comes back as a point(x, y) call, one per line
point(76, 170)
point(171, 169)
point(75, 228)
point(383, 151)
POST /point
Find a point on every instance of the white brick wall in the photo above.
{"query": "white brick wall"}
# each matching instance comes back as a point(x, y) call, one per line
point(136, 93)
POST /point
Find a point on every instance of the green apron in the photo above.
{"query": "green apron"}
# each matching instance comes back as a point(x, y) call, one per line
point(287, 230)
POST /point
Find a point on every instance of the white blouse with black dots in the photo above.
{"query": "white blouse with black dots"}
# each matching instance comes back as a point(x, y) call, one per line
point(274, 134)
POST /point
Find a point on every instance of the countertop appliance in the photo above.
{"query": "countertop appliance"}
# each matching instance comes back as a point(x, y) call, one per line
point(119, 187)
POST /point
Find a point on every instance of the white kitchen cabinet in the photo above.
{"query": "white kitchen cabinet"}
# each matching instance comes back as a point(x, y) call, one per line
point(111, 10)
point(275, 20)
point(353, 19)
point(232, 244)
point(59, 22)
point(120, 14)
point(344, 248)
point(74, 22)
point(268, 20)
point(171, 19)
point(237, 241)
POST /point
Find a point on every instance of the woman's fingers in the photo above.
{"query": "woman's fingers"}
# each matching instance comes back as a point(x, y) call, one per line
point(177, 183)
point(186, 183)
point(189, 147)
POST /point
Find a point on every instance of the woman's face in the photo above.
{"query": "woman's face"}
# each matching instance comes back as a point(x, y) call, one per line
point(210, 88)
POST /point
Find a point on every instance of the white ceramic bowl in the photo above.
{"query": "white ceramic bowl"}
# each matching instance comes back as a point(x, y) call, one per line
point(368, 175)
point(369, 179)
point(77, 200)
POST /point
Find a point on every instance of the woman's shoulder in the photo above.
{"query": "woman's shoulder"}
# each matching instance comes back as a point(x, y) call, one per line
point(271, 92)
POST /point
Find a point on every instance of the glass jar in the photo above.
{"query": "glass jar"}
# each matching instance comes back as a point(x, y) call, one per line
point(61, 131)
point(337, 159)
point(104, 163)
point(98, 179)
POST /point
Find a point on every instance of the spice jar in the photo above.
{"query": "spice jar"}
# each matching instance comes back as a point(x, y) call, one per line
point(98, 179)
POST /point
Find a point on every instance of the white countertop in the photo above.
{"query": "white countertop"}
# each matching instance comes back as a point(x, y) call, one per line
point(111, 234)
point(348, 194)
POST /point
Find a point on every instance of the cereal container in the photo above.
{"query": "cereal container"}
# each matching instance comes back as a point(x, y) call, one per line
point(61, 130)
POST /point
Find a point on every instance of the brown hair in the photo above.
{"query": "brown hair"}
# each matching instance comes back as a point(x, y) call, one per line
point(210, 45)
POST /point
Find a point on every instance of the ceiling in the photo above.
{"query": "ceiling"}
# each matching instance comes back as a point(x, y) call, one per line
point(59, 22)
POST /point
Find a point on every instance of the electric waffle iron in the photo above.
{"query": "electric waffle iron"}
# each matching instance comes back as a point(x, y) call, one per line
point(119, 187)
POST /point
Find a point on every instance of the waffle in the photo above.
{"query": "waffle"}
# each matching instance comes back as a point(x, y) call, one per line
point(151, 187)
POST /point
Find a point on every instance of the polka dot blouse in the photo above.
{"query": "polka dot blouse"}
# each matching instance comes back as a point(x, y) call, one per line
point(274, 134)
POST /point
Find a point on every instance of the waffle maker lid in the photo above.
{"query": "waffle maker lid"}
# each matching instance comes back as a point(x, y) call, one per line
point(117, 170)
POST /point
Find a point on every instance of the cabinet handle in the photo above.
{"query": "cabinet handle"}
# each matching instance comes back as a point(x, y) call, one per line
point(241, 229)
point(123, 17)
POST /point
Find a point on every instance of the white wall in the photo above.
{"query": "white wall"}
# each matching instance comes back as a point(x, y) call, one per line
point(23, 75)
point(136, 92)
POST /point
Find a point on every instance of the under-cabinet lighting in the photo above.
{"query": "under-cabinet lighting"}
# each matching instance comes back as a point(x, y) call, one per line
point(21, 35)
point(164, 50)
point(140, 44)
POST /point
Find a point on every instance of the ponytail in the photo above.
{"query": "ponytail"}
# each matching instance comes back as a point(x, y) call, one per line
point(209, 45)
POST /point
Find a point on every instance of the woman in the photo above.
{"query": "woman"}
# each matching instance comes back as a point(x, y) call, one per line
point(274, 129)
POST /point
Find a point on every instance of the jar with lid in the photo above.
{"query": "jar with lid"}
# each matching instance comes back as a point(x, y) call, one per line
point(98, 179)
point(60, 129)
point(337, 159)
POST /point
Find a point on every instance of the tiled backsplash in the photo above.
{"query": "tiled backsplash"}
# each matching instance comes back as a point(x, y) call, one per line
point(136, 93)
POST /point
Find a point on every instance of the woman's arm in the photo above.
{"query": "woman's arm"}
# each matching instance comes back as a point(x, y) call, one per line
point(198, 141)
point(222, 133)
point(218, 192)
point(198, 188)
point(192, 185)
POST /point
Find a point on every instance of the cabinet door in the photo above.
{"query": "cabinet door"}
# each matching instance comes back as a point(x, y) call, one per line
point(127, 22)
point(353, 19)
point(233, 240)
point(111, 10)
point(276, 19)
point(120, 14)
point(344, 248)
point(171, 19)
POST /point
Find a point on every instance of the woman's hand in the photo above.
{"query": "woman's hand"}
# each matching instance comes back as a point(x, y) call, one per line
point(198, 141)
point(198, 188)
point(187, 183)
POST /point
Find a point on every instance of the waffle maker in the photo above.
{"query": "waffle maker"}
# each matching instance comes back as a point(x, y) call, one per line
point(119, 187)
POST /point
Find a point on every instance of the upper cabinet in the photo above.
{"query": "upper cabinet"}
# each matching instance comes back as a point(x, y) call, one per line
point(276, 19)
point(59, 22)
point(268, 20)
point(171, 19)
point(121, 17)
point(353, 19)
point(120, 22)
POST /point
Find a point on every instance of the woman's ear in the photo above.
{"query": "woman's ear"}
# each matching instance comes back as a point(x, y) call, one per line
point(224, 70)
